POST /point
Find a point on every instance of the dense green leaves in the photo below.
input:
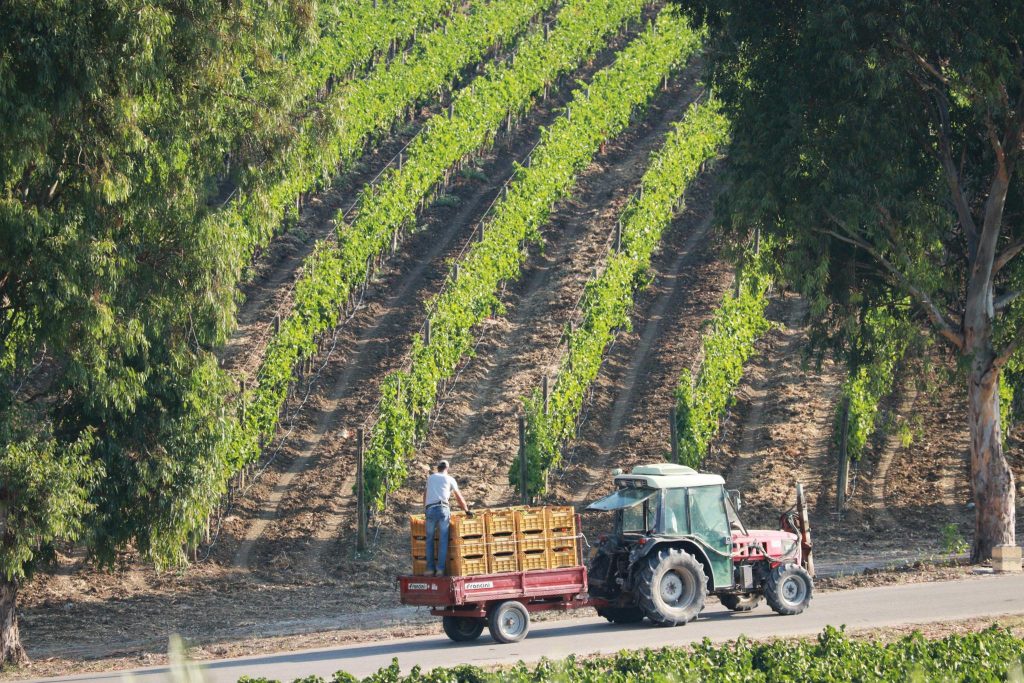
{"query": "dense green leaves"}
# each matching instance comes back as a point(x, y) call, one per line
point(566, 148)
point(987, 656)
point(608, 298)
point(738, 323)
point(44, 495)
point(883, 337)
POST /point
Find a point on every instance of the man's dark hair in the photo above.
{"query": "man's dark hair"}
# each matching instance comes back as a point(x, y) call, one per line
point(442, 466)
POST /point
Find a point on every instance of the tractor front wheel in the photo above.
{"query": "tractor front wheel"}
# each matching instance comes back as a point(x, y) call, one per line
point(672, 587)
point(788, 589)
point(743, 602)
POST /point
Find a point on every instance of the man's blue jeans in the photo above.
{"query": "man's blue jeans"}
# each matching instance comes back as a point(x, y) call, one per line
point(439, 516)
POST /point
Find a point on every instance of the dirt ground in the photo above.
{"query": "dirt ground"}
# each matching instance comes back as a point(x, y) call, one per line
point(283, 572)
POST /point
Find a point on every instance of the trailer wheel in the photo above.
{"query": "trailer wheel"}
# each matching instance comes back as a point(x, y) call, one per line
point(672, 587)
point(788, 589)
point(622, 615)
point(740, 603)
point(462, 629)
point(508, 622)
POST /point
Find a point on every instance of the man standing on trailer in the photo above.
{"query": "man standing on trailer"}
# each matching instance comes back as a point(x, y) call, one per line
point(440, 487)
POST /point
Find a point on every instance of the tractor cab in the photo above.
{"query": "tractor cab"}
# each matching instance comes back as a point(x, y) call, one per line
point(681, 529)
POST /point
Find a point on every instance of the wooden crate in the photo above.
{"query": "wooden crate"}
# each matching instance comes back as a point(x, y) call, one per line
point(500, 564)
point(419, 566)
point(500, 522)
point(466, 566)
point(531, 520)
point(563, 558)
point(561, 517)
point(534, 560)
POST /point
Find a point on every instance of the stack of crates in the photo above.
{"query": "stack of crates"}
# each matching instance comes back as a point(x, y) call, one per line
point(502, 540)
point(467, 549)
point(561, 524)
point(533, 542)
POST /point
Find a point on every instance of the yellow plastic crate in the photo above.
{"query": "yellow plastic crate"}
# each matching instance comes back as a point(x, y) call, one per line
point(499, 545)
point(531, 561)
point(563, 558)
point(532, 542)
point(561, 517)
point(500, 522)
point(419, 566)
point(563, 539)
point(418, 526)
point(467, 547)
point(531, 520)
point(466, 566)
point(500, 564)
point(467, 527)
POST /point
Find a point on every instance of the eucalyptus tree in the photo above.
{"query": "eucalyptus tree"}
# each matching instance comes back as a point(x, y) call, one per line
point(116, 120)
point(882, 142)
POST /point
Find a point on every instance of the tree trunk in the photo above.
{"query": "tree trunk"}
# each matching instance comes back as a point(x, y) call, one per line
point(991, 477)
point(11, 651)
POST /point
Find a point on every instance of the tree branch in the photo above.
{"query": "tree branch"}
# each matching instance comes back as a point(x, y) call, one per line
point(963, 210)
point(942, 325)
point(1008, 254)
point(1003, 302)
point(1003, 358)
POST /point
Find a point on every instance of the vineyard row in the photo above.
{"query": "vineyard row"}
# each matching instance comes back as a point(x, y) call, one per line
point(597, 113)
point(333, 272)
point(608, 298)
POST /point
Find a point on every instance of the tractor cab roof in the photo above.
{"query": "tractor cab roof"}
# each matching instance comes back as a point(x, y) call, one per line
point(666, 476)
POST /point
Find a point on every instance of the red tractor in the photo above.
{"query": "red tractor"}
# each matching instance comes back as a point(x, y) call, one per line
point(678, 537)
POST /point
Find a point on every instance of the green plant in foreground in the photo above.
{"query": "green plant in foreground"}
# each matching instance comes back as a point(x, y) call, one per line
point(993, 654)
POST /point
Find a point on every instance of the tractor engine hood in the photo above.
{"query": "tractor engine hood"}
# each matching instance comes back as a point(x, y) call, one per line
point(778, 545)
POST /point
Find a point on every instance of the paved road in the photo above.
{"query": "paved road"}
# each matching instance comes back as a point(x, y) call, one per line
point(981, 596)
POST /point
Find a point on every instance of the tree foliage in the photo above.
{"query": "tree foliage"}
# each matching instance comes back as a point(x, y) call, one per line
point(881, 144)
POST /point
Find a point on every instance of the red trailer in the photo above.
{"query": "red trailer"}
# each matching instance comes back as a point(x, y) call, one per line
point(502, 602)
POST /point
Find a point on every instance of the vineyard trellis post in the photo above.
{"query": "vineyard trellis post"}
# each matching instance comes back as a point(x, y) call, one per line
point(843, 483)
point(673, 434)
point(545, 392)
point(523, 483)
point(360, 494)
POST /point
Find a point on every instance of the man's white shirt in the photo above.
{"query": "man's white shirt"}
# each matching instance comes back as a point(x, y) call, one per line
point(439, 487)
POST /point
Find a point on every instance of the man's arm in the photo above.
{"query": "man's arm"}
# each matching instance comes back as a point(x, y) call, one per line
point(462, 501)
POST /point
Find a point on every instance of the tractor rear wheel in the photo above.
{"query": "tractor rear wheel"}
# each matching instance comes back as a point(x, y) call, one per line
point(508, 622)
point(740, 603)
point(622, 615)
point(788, 589)
point(672, 587)
point(462, 629)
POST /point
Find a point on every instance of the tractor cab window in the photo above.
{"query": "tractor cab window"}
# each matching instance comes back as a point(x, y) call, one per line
point(734, 519)
point(636, 508)
point(674, 513)
point(707, 514)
